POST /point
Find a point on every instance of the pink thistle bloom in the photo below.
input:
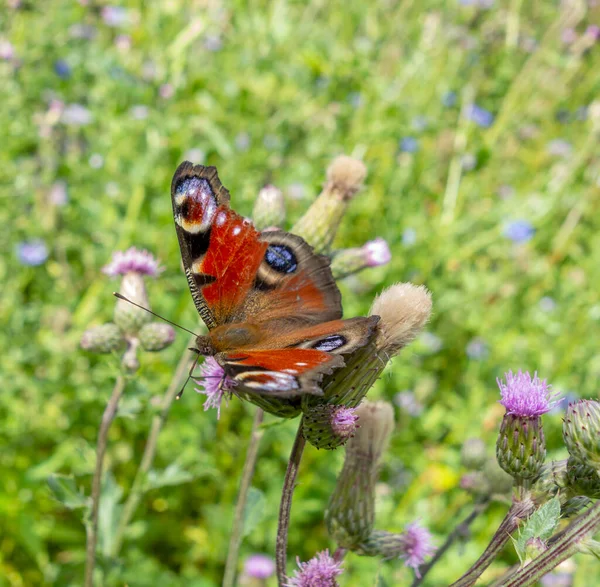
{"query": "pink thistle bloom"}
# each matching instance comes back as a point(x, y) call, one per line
point(214, 384)
point(132, 261)
point(417, 545)
point(259, 566)
point(319, 571)
point(343, 421)
point(376, 252)
point(524, 396)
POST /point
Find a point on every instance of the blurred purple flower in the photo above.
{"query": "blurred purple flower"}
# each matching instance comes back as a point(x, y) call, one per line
point(409, 237)
point(593, 31)
point(568, 36)
point(480, 116)
point(76, 115)
point(62, 69)
point(115, 16)
point(132, 260)
point(409, 145)
point(547, 304)
point(82, 31)
point(123, 43)
point(377, 252)
point(524, 396)
point(319, 571)
point(519, 231)
point(214, 384)
point(7, 51)
point(32, 253)
point(242, 141)
point(58, 195)
point(213, 43)
point(449, 99)
point(166, 91)
point(355, 99)
point(259, 566)
point(559, 148)
point(477, 349)
point(408, 402)
point(343, 421)
point(417, 546)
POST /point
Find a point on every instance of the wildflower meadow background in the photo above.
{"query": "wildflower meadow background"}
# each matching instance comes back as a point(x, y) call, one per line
point(477, 124)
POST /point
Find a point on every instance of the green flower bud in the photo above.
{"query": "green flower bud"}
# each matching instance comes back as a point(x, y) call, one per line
point(328, 426)
point(320, 223)
point(156, 336)
point(574, 506)
point(581, 431)
point(348, 261)
point(127, 317)
point(350, 514)
point(521, 446)
point(473, 453)
point(552, 480)
point(582, 479)
point(269, 208)
point(103, 339)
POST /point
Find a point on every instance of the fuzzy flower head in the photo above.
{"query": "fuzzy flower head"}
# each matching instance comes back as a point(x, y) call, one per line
point(417, 546)
point(319, 571)
point(524, 396)
point(343, 421)
point(214, 384)
point(259, 566)
point(132, 261)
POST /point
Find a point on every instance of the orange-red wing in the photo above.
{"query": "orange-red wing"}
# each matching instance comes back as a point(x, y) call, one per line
point(281, 372)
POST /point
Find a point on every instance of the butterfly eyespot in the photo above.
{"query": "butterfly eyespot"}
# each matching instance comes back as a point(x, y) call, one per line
point(330, 343)
point(281, 258)
point(195, 205)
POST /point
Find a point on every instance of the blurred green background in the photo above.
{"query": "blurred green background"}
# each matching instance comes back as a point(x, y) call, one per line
point(477, 125)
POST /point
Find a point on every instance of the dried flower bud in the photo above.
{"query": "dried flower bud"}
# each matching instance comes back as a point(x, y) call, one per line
point(350, 514)
point(581, 432)
point(103, 339)
point(156, 336)
point(473, 453)
point(581, 479)
point(372, 254)
point(320, 223)
point(328, 426)
point(269, 208)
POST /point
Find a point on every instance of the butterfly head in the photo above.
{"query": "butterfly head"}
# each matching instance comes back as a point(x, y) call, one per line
point(228, 337)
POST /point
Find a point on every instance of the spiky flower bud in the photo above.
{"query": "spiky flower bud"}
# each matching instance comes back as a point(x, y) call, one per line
point(320, 223)
point(103, 339)
point(581, 479)
point(473, 453)
point(328, 426)
point(350, 514)
point(269, 208)
point(581, 431)
point(156, 336)
point(348, 261)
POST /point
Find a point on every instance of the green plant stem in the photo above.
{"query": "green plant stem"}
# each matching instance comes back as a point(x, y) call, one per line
point(285, 507)
point(458, 531)
point(586, 525)
point(518, 511)
point(238, 519)
point(92, 527)
point(137, 488)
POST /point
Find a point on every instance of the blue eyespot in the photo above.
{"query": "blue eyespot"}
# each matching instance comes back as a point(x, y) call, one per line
point(330, 343)
point(281, 258)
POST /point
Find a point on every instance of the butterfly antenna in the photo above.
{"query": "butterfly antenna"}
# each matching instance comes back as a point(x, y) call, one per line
point(178, 396)
point(118, 295)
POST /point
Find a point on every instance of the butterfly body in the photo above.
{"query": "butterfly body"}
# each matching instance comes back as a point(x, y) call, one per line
point(270, 303)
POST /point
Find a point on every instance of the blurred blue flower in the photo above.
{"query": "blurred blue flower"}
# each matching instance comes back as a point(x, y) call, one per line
point(407, 402)
point(76, 115)
point(565, 399)
point(519, 231)
point(431, 341)
point(409, 237)
point(563, 116)
point(32, 253)
point(480, 116)
point(559, 148)
point(547, 304)
point(355, 99)
point(449, 99)
point(409, 144)
point(419, 123)
point(477, 349)
point(62, 69)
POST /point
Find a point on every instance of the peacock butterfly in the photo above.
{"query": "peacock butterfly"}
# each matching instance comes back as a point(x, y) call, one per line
point(270, 303)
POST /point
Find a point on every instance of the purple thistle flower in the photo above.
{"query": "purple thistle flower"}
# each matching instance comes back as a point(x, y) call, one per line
point(417, 546)
point(319, 571)
point(132, 260)
point(115, 16)
point(377, 252)
point(259, 566)
point(214, 384)
point(343, 421)
point(593, 31)
point(519, 231)
point(524, 396)
point(32, 253)
point(480, 116)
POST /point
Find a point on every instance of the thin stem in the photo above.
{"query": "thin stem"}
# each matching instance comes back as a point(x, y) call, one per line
point(586, 525)
point(137, 488)
point(518, 511)
point(238, 519)
point(289, 484)
point(458, 531)
point(92, 527)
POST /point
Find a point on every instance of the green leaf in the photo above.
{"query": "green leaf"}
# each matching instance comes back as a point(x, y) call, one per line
point(172, 475)
point(541, 524)
point(109, 513)
point(66, 491)
point(254, 511)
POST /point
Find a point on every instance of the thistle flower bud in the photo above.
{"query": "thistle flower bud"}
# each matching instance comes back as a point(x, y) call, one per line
point(320, 223)
point(127, 317)
point(581, 432)
point(473, 453)
point(581, 479)
point(372, 254)
point(328, 426)
point(156, 336)
point(269, 208)
point(103, 339)
point(521, 446)
point(350, 514)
